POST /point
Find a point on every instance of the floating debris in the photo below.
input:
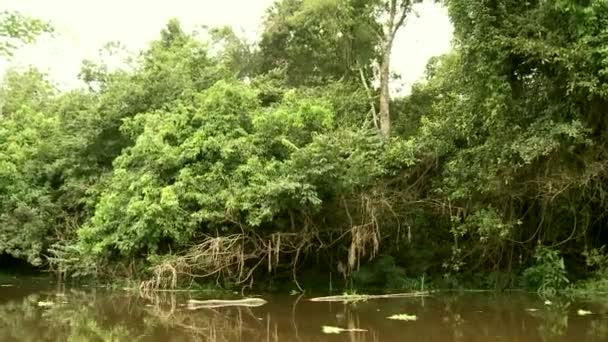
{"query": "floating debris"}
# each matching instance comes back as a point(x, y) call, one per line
point(335, 330)
point(548, 302)
point(194, 304)
point(363, 297)
point(582, 312)
point(331, 330)
point(531, 309)
point(403, 317)
point(45, 303)
point(6, 285)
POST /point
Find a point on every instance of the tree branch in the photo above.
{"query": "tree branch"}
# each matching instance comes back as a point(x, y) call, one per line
point(406, 6)
point(369, 95)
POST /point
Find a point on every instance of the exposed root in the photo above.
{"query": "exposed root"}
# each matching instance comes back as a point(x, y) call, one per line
point(236, 257)
point(233, 257)
point(365, 237)
point(216, 256)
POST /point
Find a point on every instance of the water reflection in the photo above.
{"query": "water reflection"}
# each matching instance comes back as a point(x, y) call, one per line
point(94, 315)
point(553, 318)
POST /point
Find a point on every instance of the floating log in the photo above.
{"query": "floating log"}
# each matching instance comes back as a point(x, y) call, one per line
point(356, 297)
point(335, 330)
point(194, 304)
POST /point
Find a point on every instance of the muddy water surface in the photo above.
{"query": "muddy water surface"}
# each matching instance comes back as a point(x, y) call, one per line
point(35, 312)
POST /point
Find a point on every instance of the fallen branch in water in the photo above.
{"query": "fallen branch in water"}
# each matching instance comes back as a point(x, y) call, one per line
point(335, 330)
point(356, 297)
point(194, 304)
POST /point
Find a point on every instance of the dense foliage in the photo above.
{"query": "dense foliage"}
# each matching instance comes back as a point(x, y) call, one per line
point(217, 158)
point(17, 29)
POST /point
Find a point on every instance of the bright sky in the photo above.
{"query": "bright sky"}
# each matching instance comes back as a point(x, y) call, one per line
point(85, 25)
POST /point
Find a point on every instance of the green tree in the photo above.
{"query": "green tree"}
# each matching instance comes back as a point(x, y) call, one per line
point(16, 29)
point(391, 15)
point(316, 41)
point(513, 118)
point(29, 88)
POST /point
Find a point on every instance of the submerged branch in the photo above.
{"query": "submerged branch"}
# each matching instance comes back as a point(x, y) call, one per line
point(194, 304)
point(355, 297)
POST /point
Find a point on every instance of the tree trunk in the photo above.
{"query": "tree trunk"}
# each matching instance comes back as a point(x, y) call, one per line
point(384, 114)
point(370, 97)
point(397, 12)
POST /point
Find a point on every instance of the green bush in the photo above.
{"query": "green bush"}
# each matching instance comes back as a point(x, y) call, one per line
point(548, 274)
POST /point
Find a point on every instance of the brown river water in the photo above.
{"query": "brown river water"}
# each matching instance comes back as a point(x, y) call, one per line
point(48, 313)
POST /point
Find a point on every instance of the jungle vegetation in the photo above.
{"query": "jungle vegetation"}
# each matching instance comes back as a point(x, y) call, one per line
point(216, 159)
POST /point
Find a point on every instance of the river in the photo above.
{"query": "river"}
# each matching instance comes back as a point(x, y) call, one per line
point(41, 312)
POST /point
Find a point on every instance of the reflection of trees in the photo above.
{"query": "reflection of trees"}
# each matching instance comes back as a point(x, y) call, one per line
point(598, 330)
point(80, 316)
point(19, 319)
point(453, 317)
point(106, 316)
point(598, 327)
point(70, 318)
point(286, 321)
point(163, 316)
point(222, 324)
point(553, 320)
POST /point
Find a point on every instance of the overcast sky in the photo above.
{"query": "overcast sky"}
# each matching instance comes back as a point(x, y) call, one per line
point(85, 25)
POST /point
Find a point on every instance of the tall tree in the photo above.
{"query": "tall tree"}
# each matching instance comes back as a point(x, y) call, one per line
point(317, 41)
point(391, 15)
